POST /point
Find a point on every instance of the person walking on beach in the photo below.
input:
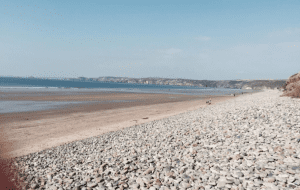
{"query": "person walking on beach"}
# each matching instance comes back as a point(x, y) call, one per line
point(209, 101)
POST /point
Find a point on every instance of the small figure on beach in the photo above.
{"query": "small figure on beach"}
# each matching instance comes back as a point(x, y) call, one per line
point(233, 94)
point(209, 101)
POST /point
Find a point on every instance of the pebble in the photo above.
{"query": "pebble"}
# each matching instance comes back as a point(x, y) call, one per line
point(250, 142)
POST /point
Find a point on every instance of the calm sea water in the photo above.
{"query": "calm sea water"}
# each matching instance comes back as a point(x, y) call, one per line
point(24, 106)
point(9, 84)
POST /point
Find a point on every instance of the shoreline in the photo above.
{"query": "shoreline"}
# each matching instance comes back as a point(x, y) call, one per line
point(204, 134)
point(47, 129)
point(85, 102)
point(92, 102)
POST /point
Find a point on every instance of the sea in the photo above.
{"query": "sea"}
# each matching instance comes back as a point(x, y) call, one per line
point(15, 85)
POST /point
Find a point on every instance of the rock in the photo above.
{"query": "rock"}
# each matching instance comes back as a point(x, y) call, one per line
point(292, 86)
point(230, 145)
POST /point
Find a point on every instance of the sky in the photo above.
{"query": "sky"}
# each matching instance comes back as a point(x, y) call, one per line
point(200, 40)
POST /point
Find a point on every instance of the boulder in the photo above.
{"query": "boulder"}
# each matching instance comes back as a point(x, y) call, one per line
point(292, 86)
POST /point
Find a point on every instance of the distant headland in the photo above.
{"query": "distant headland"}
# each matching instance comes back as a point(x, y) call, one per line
point(233, 84)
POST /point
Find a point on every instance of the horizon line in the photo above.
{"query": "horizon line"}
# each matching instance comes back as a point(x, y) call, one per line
point(130, 78)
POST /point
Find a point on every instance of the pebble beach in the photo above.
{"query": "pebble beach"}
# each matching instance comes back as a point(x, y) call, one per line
point(248, 142)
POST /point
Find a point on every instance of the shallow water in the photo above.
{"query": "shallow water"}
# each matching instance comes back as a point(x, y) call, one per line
point(183, 91)
point(24, 106)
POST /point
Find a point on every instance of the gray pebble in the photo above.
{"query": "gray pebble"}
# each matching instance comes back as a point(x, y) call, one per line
point(245, 143)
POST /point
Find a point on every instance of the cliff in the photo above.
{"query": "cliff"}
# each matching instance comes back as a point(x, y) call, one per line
point(232, 84)
point(292, 86)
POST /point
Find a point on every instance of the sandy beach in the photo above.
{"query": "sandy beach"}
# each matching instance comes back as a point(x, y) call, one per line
point(28, 132)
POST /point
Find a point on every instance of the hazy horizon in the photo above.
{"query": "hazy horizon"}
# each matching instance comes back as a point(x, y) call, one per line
point(52, 77)
point(201, 40)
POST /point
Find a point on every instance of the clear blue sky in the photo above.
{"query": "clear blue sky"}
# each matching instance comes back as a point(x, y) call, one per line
point(204, 40)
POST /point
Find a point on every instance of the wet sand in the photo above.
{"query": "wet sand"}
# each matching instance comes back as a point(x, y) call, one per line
point(28, 132)
point(96, 105)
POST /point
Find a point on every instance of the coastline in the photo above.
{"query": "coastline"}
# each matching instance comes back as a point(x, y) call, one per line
point(92, 102)
point(28, 132)
point(24, 106)
point(193, 134)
